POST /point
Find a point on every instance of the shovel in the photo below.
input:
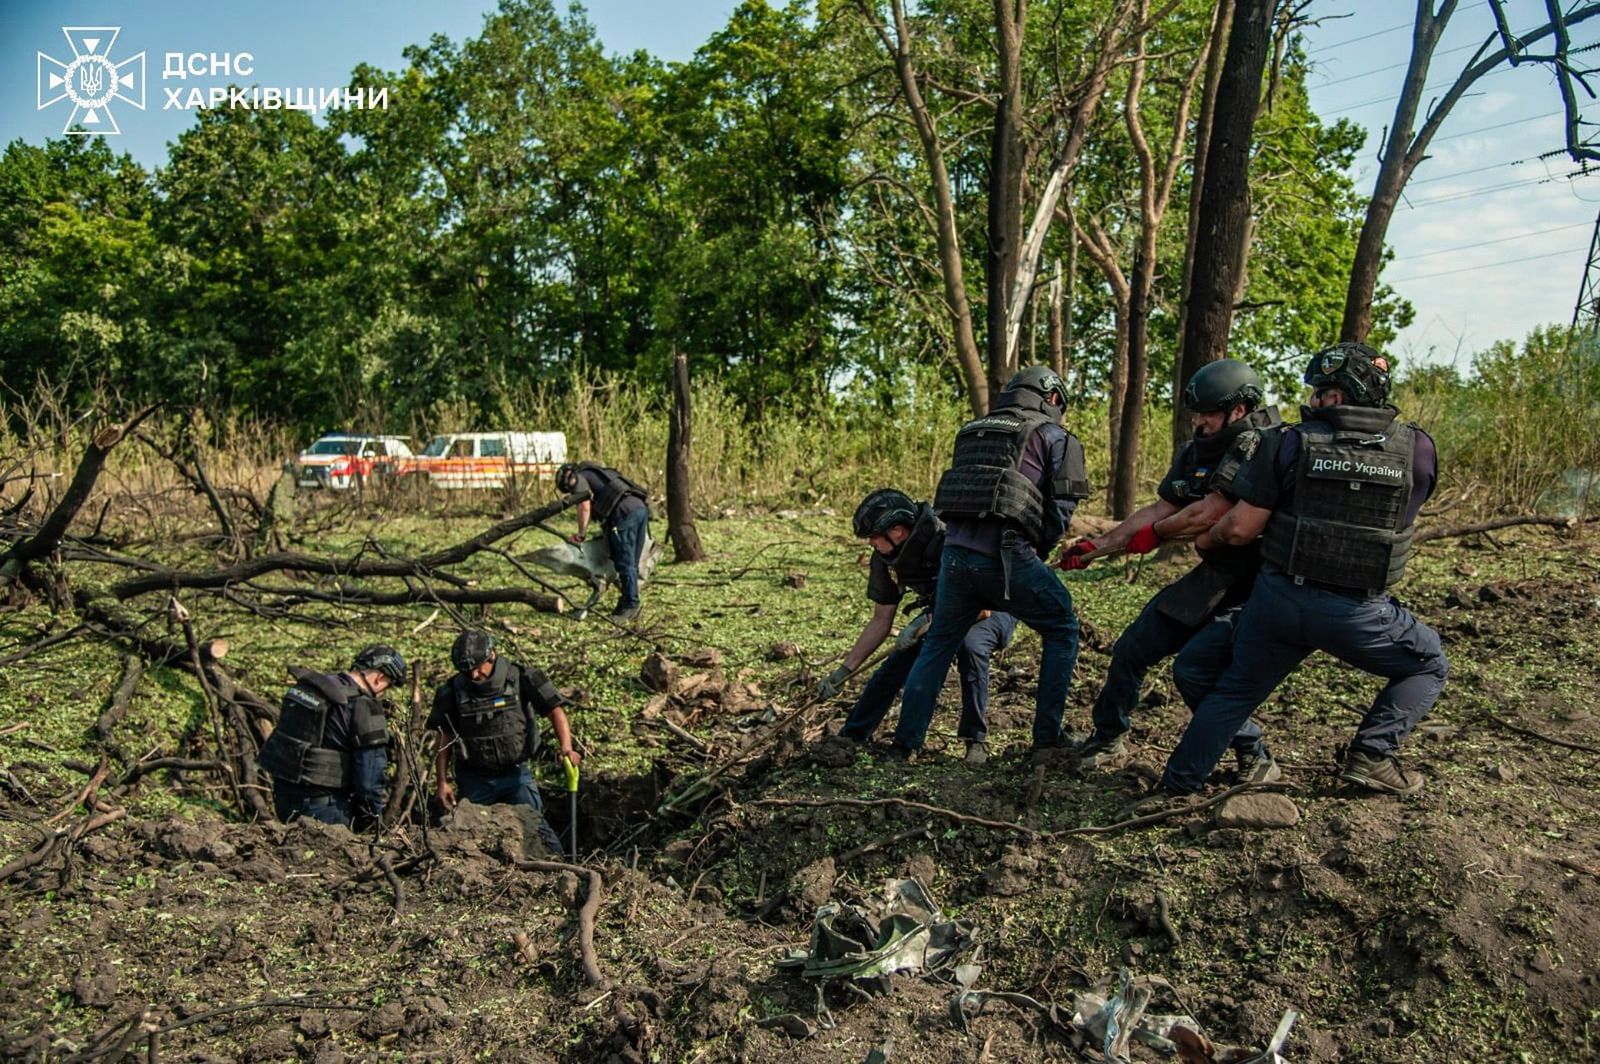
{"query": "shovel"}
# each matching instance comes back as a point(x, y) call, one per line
point(572, 801)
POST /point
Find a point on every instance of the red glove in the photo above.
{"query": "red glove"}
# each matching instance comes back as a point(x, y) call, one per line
point(1072, 559)
point(1144, 541)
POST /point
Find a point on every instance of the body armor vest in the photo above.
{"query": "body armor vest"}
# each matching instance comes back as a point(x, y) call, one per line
point(296, 751)
point(915, 564)
point(1347, 526)
point(985, 478)
point(495, 726)
point(1210, 464)
point(614, 487)
point(1225, 573)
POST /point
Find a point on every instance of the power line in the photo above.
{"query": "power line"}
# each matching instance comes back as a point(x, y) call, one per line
point(1473, 269)
point(1391, 66)
point(1363, 37)
point(1501, 69)
point(1474, 170)
point(1470, 193)
point(1497, 125)
point(1499, 240)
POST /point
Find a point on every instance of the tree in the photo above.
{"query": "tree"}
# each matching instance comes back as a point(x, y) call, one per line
point(680, 505)
point(1019, 136)
point(1222, 231)
point(1133, 290)
point(1406, 145)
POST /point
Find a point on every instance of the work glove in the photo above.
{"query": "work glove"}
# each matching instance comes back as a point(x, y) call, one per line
point(913, 632)
point(1072, 558)
point(1144, 541)
point(833, 683)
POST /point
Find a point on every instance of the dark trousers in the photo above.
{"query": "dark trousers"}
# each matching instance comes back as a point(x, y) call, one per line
point(972, 662)
point(1281, 624)
point(970, 582)
point(511, 786)
point(625, 537)
point(291, 801)
point(1144, 644)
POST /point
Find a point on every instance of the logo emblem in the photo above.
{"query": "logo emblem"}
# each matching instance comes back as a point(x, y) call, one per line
point(90, 80)
point(1332, 361)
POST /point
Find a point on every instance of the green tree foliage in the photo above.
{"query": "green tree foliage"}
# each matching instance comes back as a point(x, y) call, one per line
point(529, 206)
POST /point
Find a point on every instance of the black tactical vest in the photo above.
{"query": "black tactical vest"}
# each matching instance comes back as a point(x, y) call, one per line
point(614, 487)
point(495, 727)
point(915, 563)
point(296, 751)
point(985, 478)
point(1347, 525)
point(1225, 573)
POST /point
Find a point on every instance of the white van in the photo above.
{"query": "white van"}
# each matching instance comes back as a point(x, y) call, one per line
point(489, 459)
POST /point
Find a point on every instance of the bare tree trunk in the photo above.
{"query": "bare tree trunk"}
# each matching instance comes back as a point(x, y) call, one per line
point(1057, 339)
point(1224, 222)
point(1404, 150)
point(1007, 170)
point(898, 45)
point(686, 545)
point(1222, 21)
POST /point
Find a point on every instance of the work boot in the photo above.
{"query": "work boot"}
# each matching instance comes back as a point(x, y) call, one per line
point(1379, 772)
point(1257, 765)
point(623, 614)
point(977, 752)
point(1097, 749)
point(896, 754)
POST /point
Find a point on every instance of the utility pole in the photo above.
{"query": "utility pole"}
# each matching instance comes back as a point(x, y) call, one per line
point(1586, 314)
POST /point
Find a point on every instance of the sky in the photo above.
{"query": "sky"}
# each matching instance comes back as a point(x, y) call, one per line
point(1492, 239)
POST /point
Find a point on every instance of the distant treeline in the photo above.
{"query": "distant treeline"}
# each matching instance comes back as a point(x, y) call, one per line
point(528, 204)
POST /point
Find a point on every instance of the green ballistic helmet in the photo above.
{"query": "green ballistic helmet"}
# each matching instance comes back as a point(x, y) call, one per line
point(1222, 384)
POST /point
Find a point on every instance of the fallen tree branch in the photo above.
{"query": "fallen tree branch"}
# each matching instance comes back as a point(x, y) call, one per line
point(1425, 534)
point(586, 914)
point(1531, 734)
point(1169, 814)
point(132, 670)
point(16, 561)
point(278, 561)
point(884, 843)
point(62, 838)
point(903, 803)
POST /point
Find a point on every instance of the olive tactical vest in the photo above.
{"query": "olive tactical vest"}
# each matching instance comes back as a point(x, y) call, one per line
point(296, 753)
point(614, 487)
point(1347, 526)
point(985, 478)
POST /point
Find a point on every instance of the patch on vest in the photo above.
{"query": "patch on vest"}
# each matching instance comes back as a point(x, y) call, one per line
point(1365, 468)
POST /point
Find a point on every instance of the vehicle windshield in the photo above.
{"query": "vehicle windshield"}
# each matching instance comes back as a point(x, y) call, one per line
point(436, 447)
point(336, 447)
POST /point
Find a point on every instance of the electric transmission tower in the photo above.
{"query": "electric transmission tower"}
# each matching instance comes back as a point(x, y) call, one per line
point(1586, 315)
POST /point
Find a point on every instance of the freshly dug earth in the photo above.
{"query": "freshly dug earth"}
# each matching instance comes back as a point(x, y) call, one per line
point(1457, 925)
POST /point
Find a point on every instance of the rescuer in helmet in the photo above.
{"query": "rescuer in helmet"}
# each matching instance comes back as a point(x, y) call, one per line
point(907, 540)
point(1333, 501)
point(1225, 399)
point(486, 715)
point(623, 510)
point(329, 753)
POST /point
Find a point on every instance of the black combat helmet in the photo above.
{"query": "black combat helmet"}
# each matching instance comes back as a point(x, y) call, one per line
point(1041, 380)
point(1358, 371)
point(882, 509)
point(472, 648)
point(567, 477)
point(380, 657)
point(1220, 385)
